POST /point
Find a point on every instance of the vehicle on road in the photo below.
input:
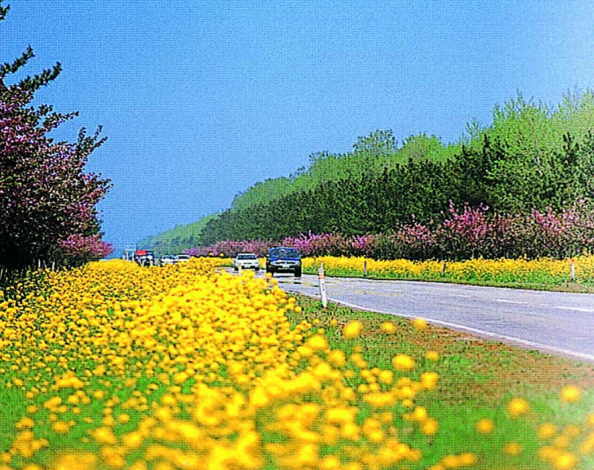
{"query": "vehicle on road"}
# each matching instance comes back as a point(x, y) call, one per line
point(246, 261)
point(167, 259)
point(144, 257)
point(182, 258)
point(281, 259)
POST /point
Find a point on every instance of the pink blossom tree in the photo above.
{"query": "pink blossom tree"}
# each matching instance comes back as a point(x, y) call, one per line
point(46, 197)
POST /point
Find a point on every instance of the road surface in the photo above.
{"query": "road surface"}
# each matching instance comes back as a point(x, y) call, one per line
point(555, 322)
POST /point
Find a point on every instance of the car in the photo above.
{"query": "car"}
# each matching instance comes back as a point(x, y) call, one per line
point(144, 257)
point(182, 258)
point(246, 261)
point(167, 259)
point(282, 259)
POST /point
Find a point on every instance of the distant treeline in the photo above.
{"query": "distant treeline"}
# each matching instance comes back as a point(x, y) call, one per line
point(530, 157)
point(178, 239)
point(420, 191)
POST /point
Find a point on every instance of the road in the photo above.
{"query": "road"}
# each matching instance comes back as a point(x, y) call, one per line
point(555, 322)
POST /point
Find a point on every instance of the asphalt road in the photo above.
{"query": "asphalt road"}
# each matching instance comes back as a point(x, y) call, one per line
point(554, 322)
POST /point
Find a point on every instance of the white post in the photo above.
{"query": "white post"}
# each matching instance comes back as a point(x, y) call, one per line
point(322, 282)
point(571, 271)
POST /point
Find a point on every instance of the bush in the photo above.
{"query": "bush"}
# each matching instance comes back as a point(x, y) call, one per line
point(465, 233)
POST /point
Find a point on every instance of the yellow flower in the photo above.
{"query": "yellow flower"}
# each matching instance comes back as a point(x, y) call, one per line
point(432, 355)
point(60, 427)
point(429, 427)
point(386, 376)
point(352, 329)
point(546, 430)
point(468, 458)
point(512, 448)
point(419, 324)
point(570, 394)
point(388, 327)
point(429, 380)
point(317, 343)
point(485, 426)
point(565, 461)
point(518, 407)
point(403, 362)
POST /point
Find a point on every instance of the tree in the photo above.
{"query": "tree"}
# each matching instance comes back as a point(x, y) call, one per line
point(46, 197)
point(379, 142)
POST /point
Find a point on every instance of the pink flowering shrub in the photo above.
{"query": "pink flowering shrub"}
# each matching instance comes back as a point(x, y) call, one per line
point(230, 248)
point(562, 234)
point(332, 244)
point(469, 232)
point(79, 248)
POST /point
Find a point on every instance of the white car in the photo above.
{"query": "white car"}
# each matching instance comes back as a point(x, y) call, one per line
point(167, 259)
point(246, 261)
point(182, 258)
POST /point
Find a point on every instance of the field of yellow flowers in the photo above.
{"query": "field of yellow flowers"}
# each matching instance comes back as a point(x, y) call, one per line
point(115, 366)
point(540, 272)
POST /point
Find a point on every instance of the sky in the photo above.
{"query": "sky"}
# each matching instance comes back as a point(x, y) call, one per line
point(202, 99)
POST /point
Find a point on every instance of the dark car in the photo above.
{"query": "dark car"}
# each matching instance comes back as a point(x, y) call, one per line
point(282, 259)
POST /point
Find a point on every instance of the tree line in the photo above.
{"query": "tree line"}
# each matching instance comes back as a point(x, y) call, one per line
point(506, 176)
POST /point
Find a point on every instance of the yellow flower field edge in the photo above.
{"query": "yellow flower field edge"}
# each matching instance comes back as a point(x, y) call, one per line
point(504, 271)
point(115, 366)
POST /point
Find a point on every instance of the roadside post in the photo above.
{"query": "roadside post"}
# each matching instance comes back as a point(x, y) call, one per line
point(571, 271)
point(443, 269)
point(364, 268)
point(322, 283)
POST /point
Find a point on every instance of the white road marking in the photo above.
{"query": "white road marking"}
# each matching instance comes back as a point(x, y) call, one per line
point(510, 301)
point(532, 344)
point(459, 295)
point(576, 308)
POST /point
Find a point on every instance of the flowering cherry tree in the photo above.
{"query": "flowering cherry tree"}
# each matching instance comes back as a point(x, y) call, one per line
point(46, 197)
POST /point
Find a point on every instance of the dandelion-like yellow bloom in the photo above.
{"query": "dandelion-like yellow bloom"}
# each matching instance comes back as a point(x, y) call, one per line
point(419, 324)
point(565, 461)
point(485, 426)
point(352, 329)
point(518, 407)
point(388, 327)
point(512, 448)
point(403, 362)
point(430, 427)
point(570, 394)
point(432, 355)
point(546, 430)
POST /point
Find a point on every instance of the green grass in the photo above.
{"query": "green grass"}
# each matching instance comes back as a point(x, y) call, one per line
point(537, 281)
point(477, 379)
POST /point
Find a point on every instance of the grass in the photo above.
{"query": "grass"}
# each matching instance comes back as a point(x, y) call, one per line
point(542, 283)
point(477, 379)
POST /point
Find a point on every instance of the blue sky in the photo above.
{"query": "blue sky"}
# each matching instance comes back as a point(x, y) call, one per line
point(201, 99)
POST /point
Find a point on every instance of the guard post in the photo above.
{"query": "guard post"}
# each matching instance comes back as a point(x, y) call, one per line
point(322, 283)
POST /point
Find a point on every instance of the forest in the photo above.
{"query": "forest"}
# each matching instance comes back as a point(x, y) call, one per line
point(531, 157)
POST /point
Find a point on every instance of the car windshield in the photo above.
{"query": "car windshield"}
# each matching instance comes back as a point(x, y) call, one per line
point(246, 256)
point(183, 257)
point(288, 252)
